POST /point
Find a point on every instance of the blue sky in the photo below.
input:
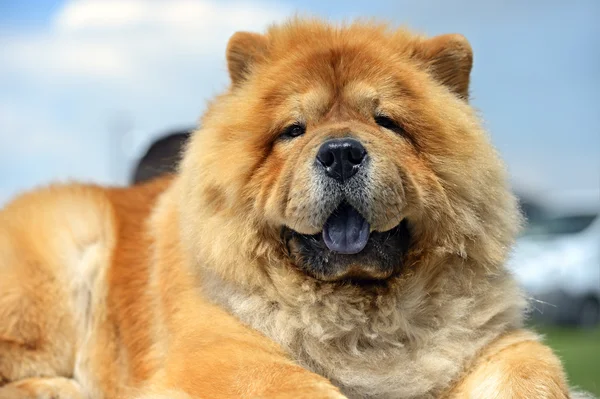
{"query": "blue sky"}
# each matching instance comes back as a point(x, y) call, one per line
point(72, 72)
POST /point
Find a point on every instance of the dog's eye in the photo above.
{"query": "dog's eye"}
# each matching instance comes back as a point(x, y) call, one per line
point(388, 123)
point(293, 131)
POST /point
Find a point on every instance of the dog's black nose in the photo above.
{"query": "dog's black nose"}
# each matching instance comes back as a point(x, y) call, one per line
point(341, 158)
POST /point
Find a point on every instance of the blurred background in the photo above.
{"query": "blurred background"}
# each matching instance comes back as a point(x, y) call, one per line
point(87, 86)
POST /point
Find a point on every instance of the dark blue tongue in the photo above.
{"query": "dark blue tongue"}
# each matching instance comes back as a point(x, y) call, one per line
point(346, 231)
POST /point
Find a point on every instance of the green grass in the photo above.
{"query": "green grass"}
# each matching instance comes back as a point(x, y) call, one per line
point(580, 352)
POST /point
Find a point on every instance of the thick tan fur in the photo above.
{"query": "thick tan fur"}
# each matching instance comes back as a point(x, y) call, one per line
point(182, 287)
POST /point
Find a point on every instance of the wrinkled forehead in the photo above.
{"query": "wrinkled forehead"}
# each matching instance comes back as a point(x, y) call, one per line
point(312, 84)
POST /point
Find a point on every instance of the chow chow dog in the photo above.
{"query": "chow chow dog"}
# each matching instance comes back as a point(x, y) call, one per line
point(338, 228)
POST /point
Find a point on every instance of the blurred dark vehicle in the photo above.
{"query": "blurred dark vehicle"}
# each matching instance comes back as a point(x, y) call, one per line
point(162, 157)
point(557, 261)
point(532, 210)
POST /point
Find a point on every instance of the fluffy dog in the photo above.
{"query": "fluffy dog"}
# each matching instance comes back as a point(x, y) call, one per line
point(338, 229)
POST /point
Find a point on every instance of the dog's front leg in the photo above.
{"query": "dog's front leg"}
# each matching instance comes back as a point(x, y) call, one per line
point(237, 371)
point(517, 365)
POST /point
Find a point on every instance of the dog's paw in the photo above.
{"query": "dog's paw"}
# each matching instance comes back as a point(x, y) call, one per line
point(42, 388)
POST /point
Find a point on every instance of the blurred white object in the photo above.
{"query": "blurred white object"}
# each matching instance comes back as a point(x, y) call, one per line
point(557, 261)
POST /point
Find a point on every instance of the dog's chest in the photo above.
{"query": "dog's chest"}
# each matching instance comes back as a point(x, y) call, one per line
point(368, 367)
point(403, 348)
point(362, 361)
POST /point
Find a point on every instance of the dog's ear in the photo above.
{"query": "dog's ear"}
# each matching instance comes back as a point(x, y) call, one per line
point(243, 50)
point(449, 59)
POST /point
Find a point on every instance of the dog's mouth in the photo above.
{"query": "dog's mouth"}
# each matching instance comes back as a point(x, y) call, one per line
point(347, 249)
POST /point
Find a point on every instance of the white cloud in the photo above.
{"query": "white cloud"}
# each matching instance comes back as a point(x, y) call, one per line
point(84, 15)
point(179, 15)
point(122, 38)
point(66, 56)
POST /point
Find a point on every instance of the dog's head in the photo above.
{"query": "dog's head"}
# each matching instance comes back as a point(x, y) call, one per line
point(350, 151)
